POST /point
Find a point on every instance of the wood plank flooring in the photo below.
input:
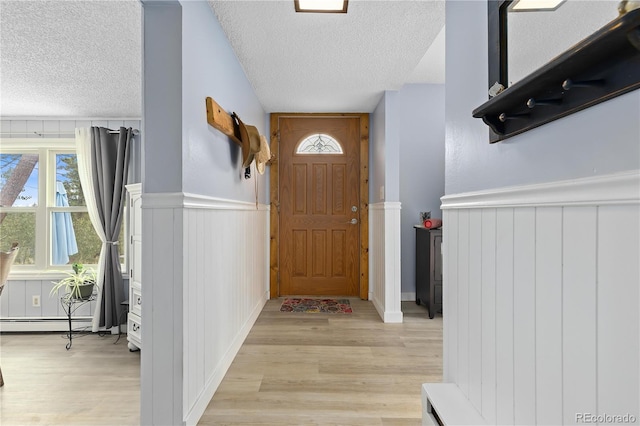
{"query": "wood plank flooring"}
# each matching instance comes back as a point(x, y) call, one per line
point(293, 369)
point(96, 382)
point(330, 369)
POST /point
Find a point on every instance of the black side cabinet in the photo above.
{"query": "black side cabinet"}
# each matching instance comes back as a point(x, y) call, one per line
point(429, 269)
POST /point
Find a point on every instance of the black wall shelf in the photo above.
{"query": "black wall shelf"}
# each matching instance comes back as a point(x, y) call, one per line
point(600, 67)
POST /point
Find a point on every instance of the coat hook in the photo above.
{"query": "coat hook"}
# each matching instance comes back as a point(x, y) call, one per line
point(568, 84)
point(504, 117)
point(532, 102)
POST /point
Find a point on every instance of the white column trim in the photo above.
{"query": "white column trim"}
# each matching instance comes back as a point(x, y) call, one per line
point(387, 302)
point(618, 188)
point(392, 271)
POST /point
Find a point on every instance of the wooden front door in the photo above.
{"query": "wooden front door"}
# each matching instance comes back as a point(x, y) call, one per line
point(320, 207)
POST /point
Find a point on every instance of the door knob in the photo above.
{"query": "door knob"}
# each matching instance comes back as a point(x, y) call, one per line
point(353, 221)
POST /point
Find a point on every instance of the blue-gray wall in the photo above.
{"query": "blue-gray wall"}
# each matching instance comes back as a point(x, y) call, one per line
point(599, 140)
point(421, 173)
point(211, 162)
point(182, 152)
point(385, 150)
point(162, 99)
point(376, 151)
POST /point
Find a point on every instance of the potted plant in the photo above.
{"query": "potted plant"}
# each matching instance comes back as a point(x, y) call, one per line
point(79, 283)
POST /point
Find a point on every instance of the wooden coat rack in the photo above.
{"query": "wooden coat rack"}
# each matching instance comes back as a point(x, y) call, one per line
point(221, 120)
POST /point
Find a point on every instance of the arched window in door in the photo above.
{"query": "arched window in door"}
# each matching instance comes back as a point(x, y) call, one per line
point(319, 143)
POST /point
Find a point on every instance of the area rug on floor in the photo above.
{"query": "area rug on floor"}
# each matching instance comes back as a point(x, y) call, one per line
point(314, 306)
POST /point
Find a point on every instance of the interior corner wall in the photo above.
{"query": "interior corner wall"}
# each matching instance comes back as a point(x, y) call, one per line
point(422, 167)
point(384, 210)
point(392, 147)
point(540, 229)
point(377, 139)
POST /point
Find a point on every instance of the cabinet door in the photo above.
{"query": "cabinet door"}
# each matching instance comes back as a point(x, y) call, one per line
point(437, 255)
point(422, 266)
point(135, 242)
point(135, 269)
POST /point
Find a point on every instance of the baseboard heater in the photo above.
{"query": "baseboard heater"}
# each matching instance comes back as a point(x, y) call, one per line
point(34, 324)
point(445, 404)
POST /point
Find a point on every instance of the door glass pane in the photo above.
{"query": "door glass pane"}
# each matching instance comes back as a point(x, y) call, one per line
point(68, 189)
point(18, 180)
point(20, 228)
point(319, 143)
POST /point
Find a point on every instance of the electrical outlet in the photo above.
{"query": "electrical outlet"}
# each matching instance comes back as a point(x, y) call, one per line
point(35, 300)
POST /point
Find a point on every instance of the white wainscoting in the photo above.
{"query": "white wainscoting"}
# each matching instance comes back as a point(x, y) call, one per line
point(205, 273)
point(541, 299)
point(384, 247)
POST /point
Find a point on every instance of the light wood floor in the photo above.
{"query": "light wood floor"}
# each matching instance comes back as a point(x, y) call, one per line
point(330, 369)
point(293, 369)
point(97, 382)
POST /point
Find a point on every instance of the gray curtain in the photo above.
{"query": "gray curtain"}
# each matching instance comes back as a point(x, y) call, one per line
point(110, 164)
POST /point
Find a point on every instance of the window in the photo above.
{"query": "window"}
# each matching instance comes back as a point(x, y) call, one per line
point(319, 143)
point(42, 206)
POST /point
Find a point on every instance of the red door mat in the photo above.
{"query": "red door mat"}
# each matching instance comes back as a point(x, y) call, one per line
point(314, 306)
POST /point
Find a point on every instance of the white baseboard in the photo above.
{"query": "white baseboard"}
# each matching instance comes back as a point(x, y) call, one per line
point(378, 306)
point(390, 317)
point(393, 317)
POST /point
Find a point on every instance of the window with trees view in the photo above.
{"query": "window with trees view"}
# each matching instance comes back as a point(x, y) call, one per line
point(42, 206)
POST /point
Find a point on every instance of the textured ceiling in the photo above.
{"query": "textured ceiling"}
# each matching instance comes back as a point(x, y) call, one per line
point(331, 62)
point(70, 58)
point(82, 58)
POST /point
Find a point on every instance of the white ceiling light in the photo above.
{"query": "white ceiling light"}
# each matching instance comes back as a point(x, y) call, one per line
point(535, 5)
point(321, 6)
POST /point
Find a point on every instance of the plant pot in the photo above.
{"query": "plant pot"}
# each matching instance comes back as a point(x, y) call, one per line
point(85, 290)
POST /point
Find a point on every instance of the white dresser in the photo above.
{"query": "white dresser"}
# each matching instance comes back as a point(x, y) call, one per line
point(134, 204)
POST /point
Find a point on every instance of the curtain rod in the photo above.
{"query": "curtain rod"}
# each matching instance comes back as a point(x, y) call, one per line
point(70, 132)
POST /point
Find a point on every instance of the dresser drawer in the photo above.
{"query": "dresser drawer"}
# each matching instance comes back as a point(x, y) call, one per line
point(134, 329)
point(136, 301)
